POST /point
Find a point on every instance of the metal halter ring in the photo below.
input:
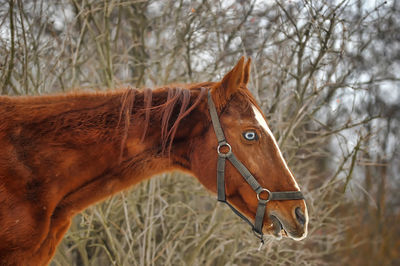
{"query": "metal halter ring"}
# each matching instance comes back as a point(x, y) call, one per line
point(264, 200)
point(222, 145)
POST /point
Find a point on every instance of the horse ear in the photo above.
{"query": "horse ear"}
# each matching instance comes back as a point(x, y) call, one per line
point(229, 84)
point(232, 80)
point(246, 72)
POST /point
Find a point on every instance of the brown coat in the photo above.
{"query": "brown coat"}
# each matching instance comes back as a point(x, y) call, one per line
point(60, 154)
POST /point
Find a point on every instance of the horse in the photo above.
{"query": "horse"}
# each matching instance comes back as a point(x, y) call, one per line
point(63, 153)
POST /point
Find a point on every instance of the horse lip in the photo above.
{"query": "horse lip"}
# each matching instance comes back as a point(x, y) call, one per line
point(284, 228)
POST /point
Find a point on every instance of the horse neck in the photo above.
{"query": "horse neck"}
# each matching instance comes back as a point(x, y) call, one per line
point(120, 138)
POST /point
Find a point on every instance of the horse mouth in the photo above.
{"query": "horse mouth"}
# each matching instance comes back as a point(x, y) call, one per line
point(277, 228)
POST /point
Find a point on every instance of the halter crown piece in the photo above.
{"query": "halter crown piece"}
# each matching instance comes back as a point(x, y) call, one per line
point(262, 203)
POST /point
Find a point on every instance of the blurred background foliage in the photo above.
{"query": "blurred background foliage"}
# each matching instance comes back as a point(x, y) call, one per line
point(326, 73)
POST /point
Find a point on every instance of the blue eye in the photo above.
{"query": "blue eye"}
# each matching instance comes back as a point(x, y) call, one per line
point(250, 135)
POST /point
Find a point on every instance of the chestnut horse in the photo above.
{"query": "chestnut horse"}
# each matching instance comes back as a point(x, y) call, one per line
point(61, 154)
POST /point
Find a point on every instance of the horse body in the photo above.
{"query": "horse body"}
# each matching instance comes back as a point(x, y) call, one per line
point(61, 154)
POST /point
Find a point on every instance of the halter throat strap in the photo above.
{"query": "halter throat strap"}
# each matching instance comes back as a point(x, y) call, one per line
point(249, 178)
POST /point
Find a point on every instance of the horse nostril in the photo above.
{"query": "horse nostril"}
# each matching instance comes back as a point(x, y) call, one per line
point(300, 216)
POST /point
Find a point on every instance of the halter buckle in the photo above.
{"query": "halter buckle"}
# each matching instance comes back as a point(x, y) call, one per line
point(222, 144)
point(264, 200)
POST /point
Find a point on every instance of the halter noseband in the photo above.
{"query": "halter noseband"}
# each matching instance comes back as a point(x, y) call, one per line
point(262, 203)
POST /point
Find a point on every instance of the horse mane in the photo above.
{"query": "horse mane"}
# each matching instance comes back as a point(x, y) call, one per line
point(170, 105)
point(177, 96)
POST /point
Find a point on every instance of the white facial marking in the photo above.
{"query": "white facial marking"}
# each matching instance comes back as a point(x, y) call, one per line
point(260, 119)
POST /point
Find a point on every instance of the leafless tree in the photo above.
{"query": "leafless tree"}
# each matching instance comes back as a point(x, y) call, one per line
point(326, 74)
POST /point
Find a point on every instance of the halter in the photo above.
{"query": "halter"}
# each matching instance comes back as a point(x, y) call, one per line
point(262, 203)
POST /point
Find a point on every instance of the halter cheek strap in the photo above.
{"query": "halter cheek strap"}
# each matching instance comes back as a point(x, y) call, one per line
point(222, 156)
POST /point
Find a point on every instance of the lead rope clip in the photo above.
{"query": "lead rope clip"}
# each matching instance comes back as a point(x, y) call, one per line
point(261, 237)
point(261, 244)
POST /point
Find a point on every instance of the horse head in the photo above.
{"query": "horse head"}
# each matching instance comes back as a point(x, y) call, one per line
point(247, 136)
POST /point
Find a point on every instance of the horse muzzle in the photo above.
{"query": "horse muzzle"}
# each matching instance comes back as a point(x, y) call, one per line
point(295, 226)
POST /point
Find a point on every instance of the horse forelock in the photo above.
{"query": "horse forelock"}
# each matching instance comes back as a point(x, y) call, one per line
point(247, 100)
